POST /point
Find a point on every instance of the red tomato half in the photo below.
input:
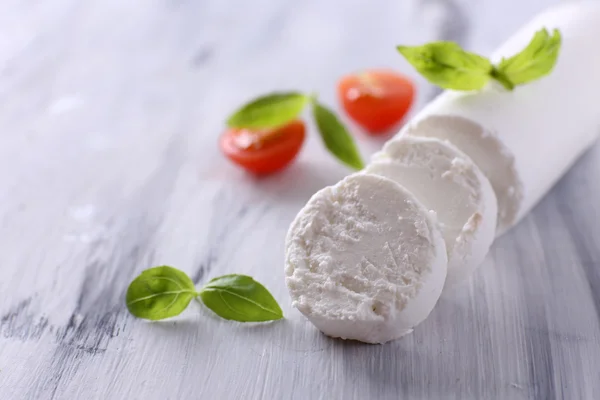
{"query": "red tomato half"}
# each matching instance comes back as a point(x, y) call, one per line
point(263, 151)
point(377, 100)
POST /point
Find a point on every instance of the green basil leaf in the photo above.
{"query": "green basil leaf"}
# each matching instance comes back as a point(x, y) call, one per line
point(159, 293)
point(336, 137)
point(535, 61)
point(240, 298)
point(501, 78)
point(270, 111)
point(447, 65)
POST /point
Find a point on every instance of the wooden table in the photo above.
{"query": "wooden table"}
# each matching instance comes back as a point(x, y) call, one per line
point(109, 116)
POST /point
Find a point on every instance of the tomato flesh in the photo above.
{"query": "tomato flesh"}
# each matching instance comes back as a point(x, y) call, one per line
point(263, 151)
point(376, 100)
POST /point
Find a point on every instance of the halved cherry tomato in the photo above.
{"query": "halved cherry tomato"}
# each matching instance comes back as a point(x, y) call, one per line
point(263, 151)
point(377, 100)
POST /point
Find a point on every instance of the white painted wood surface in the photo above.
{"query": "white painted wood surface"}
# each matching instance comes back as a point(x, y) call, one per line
point(109, 117)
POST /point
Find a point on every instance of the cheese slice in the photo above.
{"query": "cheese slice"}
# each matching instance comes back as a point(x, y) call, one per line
point(446, 181)
point(526, 139)
point(365, 260)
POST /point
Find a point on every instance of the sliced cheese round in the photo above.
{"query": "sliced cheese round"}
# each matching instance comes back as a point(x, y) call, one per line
point(487, 151)
point(365, 260)
point(445, 180)
point(524, 140)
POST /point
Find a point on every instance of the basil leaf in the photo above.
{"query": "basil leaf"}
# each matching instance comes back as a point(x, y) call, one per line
point(501, 78)
point(336, 137)
point(159, 293)
point(447, 65)
point(240, 298)
point(270, 111)
point(535, 61)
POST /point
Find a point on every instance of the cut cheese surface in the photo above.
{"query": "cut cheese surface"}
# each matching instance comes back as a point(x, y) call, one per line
point(486, 150)
point(365, 260)
point(446, 181)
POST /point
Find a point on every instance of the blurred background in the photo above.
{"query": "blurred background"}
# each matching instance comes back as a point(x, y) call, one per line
point(140, 71)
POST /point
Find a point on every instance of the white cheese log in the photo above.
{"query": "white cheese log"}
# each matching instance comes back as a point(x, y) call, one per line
point(525, 140)
point(366, 259)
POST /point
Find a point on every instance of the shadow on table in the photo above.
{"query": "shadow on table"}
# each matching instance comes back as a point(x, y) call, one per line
point(292, 186)
point(300, 181)
point(178, 327)
point(440, 358)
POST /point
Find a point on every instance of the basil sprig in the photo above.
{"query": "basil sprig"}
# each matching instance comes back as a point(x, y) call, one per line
point(278, 109)
point(164, 292)
point(447, 65)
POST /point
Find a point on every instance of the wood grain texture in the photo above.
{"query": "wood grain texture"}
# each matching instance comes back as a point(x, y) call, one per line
point(109, 114)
